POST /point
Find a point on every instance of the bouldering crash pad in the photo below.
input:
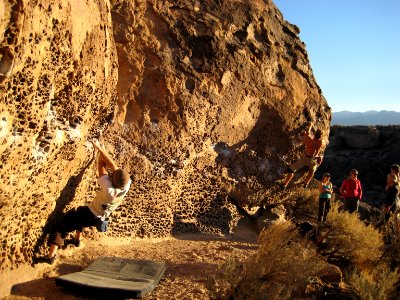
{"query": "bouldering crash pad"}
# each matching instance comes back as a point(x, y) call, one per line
point(119, 277)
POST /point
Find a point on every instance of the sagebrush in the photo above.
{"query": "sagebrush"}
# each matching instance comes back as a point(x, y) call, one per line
point(283, 267)
point(288, 265)
point(348, 238)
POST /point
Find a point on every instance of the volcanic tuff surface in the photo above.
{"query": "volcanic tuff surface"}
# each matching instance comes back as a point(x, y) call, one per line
point(188, 96)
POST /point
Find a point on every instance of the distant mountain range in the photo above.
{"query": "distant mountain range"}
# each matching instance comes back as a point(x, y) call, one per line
point(372, 117)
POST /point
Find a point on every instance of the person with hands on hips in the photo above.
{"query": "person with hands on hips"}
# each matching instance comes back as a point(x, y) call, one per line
point(351, 191)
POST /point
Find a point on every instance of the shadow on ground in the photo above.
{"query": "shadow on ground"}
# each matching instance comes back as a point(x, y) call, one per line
point(46, 288)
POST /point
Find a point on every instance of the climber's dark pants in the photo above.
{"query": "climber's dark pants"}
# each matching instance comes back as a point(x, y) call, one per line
point(324, 206)
point(393, 209)
point(74, 219)
point(351, 204)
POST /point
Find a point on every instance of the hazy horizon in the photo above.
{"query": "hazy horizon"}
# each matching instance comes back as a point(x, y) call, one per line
point(372, 117)
point(364, 111)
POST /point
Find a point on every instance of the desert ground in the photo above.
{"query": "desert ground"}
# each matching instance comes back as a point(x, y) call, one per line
point(190, 259)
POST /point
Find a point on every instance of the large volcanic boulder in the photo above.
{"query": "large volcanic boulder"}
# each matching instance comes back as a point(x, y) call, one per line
point(209, 93)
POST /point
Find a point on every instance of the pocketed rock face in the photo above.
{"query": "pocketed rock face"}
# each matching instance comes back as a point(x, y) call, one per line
point(58, 72)
point(209, 94)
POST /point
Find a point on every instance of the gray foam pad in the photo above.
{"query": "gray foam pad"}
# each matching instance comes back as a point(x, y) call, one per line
point(117, 276)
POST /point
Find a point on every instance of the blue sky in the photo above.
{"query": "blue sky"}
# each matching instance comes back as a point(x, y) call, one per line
point(354, 49)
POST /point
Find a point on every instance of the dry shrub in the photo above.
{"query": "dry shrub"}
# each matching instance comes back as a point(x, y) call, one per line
point(305, 204)
point(222, 285)
point(349, 239)
point(282, 268)
point(286, 267)
point(377, 283)
point(391, 233)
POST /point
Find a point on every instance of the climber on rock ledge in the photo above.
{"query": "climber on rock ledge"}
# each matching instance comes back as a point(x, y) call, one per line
point(113, 189)
point(312, 158)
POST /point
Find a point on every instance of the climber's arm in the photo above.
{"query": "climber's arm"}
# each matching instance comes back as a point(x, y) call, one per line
point(105, 160)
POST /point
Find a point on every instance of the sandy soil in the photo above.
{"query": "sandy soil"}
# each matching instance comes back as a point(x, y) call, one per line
point(190, 260)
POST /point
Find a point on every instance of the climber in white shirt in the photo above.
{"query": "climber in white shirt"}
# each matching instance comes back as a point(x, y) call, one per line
point(113, 189)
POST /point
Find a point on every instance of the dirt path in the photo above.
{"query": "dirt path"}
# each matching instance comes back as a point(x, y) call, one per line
point(190, 260)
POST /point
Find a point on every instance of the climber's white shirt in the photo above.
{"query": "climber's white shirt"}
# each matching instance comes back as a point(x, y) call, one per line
point(108, 198)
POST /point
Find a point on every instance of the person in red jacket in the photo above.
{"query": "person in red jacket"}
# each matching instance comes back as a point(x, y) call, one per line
point(351, 191)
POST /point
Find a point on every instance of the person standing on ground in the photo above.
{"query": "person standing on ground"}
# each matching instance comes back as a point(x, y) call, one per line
point(395, 170)
point(113, 189)
point(311, 159)
point(391, 202)
point(325, 195)
point(351, 191)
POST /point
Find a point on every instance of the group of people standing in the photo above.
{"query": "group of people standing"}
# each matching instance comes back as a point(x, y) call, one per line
point(351, 189)
point(351, 192)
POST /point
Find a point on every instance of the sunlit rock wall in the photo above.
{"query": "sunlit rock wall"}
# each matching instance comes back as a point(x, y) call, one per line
point(211, 95)
point(58, 74)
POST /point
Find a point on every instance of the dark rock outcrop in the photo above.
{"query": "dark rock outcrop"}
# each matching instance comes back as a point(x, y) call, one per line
point(369, 149)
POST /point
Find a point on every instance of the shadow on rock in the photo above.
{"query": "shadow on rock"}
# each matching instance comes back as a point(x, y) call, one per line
point(216, 218)
point(265, 216)
point(67, 195)
point(253, 163)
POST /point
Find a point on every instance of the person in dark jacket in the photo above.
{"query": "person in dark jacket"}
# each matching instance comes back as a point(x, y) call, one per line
point(351, 191)
point(391, 201)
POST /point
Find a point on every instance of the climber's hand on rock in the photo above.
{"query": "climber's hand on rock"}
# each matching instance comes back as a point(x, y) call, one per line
point(89, 145)
point(96, 143)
